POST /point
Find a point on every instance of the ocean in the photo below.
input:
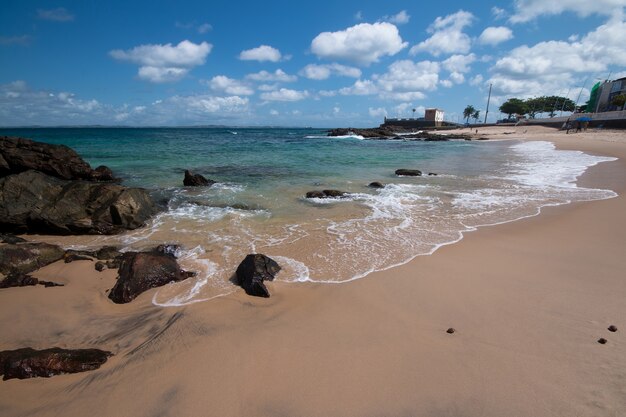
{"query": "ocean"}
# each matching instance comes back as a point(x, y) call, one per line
point(258, 203)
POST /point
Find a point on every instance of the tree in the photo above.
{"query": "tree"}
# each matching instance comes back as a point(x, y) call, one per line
point(514, 106)
point(619, 101)
point(476, 115)
point(468, 112)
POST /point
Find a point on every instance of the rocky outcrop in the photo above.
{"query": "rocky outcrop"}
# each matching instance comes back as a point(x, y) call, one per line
point(366, 133)
point(32, 202)
point(10, 238)
point(409, 172)
point(326, 194)
point(30, 363)
point(24, 280)
point(19, 155)
point(196, 180)
point(376, 184)
point(140, 271)
point(255, 269)
point(22, 258)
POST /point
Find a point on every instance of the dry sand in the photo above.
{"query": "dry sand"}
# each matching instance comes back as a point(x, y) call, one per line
point(528, 300)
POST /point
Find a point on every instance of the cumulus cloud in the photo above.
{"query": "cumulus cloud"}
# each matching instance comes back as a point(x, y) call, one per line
point(165, 63)
point(222, 83)
point(459, 63)
point(447, 36)
point(407, 80)
point(276, 76)
point(59, 14)
point(527, 10)
point(285, 94)
point(360, 88)
point(399, 19)
point(495, 35)
point(323, 72)
point(204, 28)
point(261, 53)
point(554, 65)
point(377, 112)
point(363, 44)
point(498, 13)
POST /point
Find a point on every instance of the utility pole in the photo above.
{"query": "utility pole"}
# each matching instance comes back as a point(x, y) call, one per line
point(488, 100)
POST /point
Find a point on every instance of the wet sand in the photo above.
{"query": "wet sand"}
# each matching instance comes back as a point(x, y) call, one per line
point(528, 300)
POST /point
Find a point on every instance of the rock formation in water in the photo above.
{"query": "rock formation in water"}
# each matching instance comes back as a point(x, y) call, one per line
point(255, 269)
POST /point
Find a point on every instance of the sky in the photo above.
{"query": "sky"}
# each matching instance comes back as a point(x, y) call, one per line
point(285, 63)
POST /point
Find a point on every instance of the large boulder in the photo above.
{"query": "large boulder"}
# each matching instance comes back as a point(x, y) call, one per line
point(409, 172)
point(196, 180)
point(140, 271)
point(32, 202)
point(19, 155)
point(255, 269)
point(30, 363)
point(22, 258)
point(326, 194)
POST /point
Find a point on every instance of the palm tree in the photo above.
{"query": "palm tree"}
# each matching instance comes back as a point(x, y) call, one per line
point(468, 112)
point(475, 116)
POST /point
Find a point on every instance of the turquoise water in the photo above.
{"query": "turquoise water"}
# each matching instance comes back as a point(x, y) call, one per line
point(258, 204)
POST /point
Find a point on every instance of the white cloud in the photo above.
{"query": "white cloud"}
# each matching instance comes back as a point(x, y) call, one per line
point(459, 63)
point(56, 15)
point(527, 10)
point(447, 35)
point(457, 78)
point(552, 66)
point(377, 112)
point(495, 35)
point(276, 76)
point(336, 110)
point(285, 94)
point(477, 80)
point(363, 44)
point(327, 93)
point(204, 28)
point(261, 53)
point(359, 88)
point(406, 78)
point(230, 86)
point(498, 13)
point(274, 112)
point(447, 83)
point(358, 15)
point(399, 19)
point(323, 72)
point(165, 63)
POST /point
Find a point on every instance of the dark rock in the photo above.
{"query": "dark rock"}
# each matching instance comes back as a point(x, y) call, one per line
point(107, 252)
point(167, 249)
point(100, 266)
point(409, 172)
point(432, 174)
point(37, 203)
point(71, 257)
point(612, 328)
point(140, 271)
point(30, 363)
point(114, 263)
point(196, 180)
point(19, 155)
point(326, 194)
point(255, 269)
point(450, 330)
point(23, 280)
point(376, 184)
point(602, 341)
point(375, 133)
point(18, 280)
point(27, 257)
point(10, 238)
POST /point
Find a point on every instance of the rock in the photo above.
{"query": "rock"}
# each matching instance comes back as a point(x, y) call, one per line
point(375, 133)
point(100, 266)
point(409, 172)
point(22, 280)
point(30, 363)
point(432, 174)
point(27, 257)
point(255, 269)
point(37, 203)
point(602, 341)
point(376, 184)
point(326, 194)
point(19, 155)
point(140, 271)
point(10, 238)
point(612, 328)
point(196, 180)
point(107, 252)
point(450, 330)
point(168, 249)
point(114, 263)
point(71, 257)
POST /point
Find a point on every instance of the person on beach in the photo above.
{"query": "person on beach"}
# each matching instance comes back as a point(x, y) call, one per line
point(578, 126)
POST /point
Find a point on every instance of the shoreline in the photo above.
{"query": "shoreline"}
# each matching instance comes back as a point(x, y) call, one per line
point(528, 299)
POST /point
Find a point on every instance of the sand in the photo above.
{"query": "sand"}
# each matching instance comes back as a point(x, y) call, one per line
point(528, 300)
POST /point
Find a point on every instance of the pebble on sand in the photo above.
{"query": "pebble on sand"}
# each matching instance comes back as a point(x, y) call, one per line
point(602, 341)
point(450, 330)
point(612, 328)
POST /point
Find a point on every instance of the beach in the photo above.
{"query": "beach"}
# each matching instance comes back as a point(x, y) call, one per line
point(528, 301)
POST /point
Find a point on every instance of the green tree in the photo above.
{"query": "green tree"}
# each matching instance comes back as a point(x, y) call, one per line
point(476, 115)
point(468, 112)
point(619, 101)
point(514, 106)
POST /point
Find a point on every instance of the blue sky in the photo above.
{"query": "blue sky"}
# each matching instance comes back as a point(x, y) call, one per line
point(322, 64)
